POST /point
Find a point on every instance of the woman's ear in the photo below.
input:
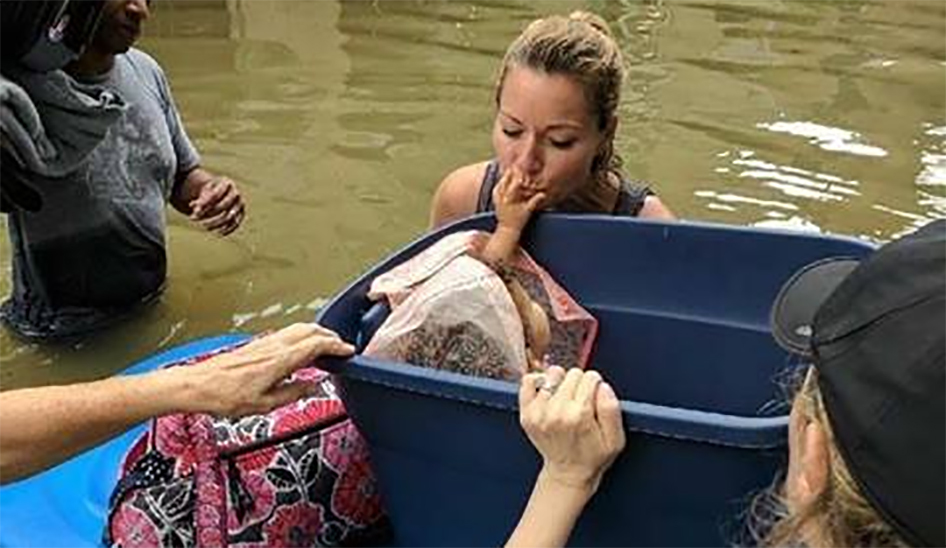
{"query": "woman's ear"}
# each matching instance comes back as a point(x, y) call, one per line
point(813, 474)
point(808, 460)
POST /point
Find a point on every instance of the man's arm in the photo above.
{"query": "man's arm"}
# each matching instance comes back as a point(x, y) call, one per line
point(212, 200)
point(40, 427)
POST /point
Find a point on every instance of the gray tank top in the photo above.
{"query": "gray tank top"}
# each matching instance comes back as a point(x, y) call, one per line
point(629, 203)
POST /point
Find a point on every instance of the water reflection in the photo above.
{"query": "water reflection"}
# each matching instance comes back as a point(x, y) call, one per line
point(827, 138)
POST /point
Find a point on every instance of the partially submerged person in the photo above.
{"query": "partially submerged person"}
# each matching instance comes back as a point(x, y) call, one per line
point(557, 99)
point(95, 251)
point(867, 431)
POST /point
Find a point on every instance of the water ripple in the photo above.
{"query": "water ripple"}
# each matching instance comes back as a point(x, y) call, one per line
point(826, 137)
point(797, 182)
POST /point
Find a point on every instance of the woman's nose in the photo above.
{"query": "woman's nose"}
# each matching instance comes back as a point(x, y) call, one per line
point(529, 159)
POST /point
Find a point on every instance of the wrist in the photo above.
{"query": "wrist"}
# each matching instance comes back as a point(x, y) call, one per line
point(179, 387)
point(570, 487)
point(507, 231)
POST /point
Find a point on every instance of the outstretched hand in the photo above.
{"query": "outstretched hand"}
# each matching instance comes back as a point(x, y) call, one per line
point(515, 200)
point(574, 421)
point(254, 378)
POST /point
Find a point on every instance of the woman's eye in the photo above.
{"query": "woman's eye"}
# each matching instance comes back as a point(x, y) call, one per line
point(512, 132)
point(563, 143)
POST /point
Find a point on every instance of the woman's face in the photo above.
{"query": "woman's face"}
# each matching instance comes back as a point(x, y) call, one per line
point(545, 127)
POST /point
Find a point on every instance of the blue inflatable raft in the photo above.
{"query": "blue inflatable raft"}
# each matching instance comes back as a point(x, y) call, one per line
point(683, 311)
point(66, 506)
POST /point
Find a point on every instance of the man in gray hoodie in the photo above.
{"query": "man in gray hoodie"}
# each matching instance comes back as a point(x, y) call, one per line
point(95, 251)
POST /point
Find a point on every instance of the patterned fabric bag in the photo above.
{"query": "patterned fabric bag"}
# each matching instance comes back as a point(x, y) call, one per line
point(450, 311)
point(297, 476)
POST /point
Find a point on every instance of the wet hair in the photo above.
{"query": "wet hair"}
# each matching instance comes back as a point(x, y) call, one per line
point(840, 513)
point(582, 47)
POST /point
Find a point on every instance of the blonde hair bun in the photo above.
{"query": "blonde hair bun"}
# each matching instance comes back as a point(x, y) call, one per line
point(596, 21)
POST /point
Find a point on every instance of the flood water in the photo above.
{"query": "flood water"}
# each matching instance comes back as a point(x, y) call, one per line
point(338, 120)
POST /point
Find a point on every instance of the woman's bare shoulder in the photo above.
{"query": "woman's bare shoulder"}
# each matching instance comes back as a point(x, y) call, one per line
point(457, 194)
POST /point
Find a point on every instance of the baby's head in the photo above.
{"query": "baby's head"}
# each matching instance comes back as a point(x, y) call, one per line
point(535, 325)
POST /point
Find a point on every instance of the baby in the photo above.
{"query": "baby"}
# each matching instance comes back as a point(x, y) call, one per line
point(475, 303)
point(515, 201)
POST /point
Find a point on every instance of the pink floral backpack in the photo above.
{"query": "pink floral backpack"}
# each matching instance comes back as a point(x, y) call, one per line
point(297, 476)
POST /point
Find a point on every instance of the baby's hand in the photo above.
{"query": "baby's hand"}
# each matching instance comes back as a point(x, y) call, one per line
point(515, 201)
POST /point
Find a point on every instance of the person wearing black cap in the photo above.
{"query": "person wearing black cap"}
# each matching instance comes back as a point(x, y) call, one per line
point(868, 462)
point(867, 432)
point(94, 252)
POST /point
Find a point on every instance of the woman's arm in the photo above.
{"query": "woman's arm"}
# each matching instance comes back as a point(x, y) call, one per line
point(457, 195)
point(44, 426)
point(654, 208)
point(550, 515)
point(574, 421)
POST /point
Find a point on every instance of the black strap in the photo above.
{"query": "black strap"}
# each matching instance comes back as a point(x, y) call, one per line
point(484, 202)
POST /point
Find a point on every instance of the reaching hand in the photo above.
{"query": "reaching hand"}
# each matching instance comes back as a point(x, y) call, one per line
point(253, 378)
point(219, 206)
point(515, 200)
point(574, 420)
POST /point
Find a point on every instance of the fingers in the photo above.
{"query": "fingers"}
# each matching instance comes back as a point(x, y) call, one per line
point(219, 207)
point(500, 191)
point(211, 193)
point(514, 187)
point(293, 333)
point(608, 410)
point(220, 219)
point(568, 388)
point(305, 352)
point(235, 220)
point(587, 386)
point(528, 389)
point(228, 200)
point(536, 201)
point(554, 376)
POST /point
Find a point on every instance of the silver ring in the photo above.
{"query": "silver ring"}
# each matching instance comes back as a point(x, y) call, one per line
point(547, 386)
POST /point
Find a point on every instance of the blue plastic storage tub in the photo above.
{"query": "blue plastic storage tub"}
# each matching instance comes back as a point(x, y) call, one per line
point(684, 339)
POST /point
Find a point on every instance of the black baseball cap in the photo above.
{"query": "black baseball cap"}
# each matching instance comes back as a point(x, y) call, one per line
point(875, 331)
point(45, 35)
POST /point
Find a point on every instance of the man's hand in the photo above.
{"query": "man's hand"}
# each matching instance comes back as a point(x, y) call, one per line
point(46, 425)
point(218, 206)
point(254, 378)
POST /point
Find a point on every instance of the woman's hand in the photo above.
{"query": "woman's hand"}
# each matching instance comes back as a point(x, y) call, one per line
point(515, 201)
point(574, 421)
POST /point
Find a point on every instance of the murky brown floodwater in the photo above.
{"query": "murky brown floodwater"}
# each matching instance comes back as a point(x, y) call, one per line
point(339, 119)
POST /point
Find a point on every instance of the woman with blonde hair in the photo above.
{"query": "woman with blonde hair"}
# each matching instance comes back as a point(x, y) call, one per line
point(557, 96)
point(867, 431)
